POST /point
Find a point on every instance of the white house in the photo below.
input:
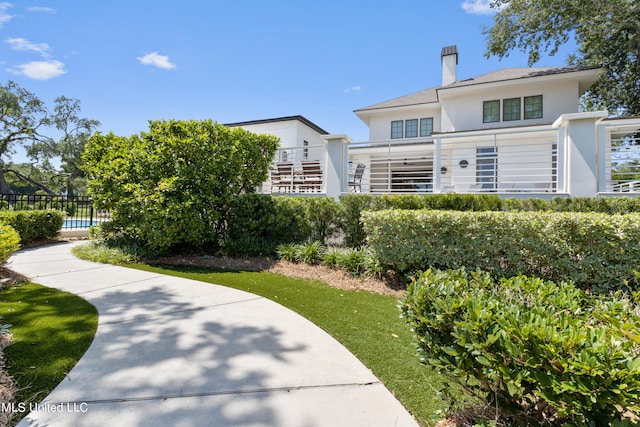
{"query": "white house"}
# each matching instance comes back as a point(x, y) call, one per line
point(303, 144)
point(515, 131)
point(504, 131)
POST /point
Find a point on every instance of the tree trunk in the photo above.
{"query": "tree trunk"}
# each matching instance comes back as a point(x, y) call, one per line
point(26, 178)
point(4, 186)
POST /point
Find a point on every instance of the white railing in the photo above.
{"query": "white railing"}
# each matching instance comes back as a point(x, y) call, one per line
point(517, 162)
point(297, 170)
point(622, 162)
point(392, 166)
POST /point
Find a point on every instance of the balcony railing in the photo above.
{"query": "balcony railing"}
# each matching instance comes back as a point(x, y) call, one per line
point(513, 162)
point(622, 163)
point(297, 170)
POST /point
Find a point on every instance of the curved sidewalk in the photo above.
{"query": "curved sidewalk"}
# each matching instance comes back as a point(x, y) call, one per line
point(177, 352)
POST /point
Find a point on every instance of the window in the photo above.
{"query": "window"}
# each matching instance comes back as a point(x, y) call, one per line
point(305, 150)
point(491, 111)
point(411, 128)
point(426, 126)
point(487, 168)
point(396, 129)
point(533, 107)
point(511, 109)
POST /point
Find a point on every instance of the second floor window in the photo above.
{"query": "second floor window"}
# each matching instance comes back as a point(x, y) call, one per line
point(411, 128)
point(491, 111)
point(426, 126)
point(396, 129)
point(511, 109)
point(533, 107)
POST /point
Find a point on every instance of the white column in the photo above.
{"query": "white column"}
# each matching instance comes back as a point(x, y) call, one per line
point(437, 164)
point(336, 179)
point(582, 151)
point(603, 159)
point(561, 185)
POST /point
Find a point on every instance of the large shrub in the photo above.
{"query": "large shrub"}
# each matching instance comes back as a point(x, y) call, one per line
point(9, 243)
point(257, 224)
point(596, 251)
point(537, 351)
point(174, 184)
point(34, 225)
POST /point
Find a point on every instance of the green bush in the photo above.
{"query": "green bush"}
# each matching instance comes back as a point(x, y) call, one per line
point(288, 252)
point(173, 185)
point(257, 224)
point(9, 242)
point(34, 225)
point(355, 204)
point(310, 253)
point(325, 217)
point(597, 251)
point(540, 352)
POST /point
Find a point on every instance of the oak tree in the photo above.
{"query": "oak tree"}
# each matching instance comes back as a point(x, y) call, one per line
point(607, 33)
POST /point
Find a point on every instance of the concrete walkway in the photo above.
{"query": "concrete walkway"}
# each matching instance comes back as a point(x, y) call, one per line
point(177, 352)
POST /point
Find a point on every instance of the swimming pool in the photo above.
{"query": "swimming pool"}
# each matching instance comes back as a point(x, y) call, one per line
point(77, 223)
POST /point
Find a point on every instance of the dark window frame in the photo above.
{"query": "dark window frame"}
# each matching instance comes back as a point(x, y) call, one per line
point(535, 105)
point(495, 109)
point(395, 128)
point(427, 128)
point(411, 132)
point(511, 110)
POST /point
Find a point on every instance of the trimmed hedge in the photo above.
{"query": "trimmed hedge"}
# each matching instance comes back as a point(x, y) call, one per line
point(34, 225)
point(542, 353)
point(9, 242)
point(355, 204)
point(597, 251)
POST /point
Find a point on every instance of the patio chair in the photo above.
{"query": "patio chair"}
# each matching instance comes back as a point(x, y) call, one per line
point(311, 176)
point(355, 182)
point(286, 176)
point(276, 183)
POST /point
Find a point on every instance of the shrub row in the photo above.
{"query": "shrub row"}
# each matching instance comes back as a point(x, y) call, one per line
point(355, 261)
point(34, 225)
point(355, 204)
point(258, 223)
point(9, 243)
point(596, 251)
point(543, 353)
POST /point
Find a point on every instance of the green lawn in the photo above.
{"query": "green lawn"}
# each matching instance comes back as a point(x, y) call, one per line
point(367, 324)
point(51, 331)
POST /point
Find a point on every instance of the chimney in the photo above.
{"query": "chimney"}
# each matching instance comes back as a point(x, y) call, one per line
point(449, 62)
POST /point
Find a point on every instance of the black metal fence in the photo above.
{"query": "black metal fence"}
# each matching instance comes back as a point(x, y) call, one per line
point(79, 209)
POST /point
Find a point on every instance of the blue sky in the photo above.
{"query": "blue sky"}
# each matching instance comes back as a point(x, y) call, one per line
point(133, 61)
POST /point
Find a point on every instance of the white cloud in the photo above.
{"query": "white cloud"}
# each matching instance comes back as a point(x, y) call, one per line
point(18, 43)
point(353, 89)
point(40, 70)
point(478, 7)
point(41, 9)
point(4, 15)
point(156, 60)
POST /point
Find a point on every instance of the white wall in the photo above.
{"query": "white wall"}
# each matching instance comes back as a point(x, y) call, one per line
point(292, 133)
point(380, 123)
point(463, 110)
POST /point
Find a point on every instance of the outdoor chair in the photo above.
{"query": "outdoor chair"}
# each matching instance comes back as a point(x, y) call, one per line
point(276, 183)
point(311, 176)
point(286, 177)
point(355, 182)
